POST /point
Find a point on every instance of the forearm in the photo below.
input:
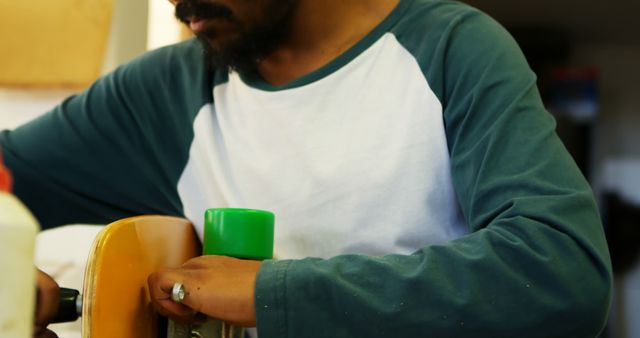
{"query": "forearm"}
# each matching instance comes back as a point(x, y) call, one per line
point(517, 277)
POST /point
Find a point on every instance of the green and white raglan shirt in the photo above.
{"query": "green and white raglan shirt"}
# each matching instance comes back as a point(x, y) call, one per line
point(419, 170)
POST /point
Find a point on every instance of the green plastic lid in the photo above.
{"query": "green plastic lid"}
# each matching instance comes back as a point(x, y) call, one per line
point(240, 233)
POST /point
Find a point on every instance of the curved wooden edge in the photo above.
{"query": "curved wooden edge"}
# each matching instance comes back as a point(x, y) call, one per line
point(116, 299)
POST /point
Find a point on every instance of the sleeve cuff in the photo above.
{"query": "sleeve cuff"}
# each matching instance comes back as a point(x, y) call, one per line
point(270, 303)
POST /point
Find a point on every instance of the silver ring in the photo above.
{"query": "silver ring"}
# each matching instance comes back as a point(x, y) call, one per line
point(177, 292)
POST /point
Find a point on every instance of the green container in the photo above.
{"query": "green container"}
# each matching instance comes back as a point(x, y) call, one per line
point(240, 233)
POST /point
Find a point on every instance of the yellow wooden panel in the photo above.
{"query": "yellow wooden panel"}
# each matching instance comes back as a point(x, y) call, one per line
point(116, 301)
point(52, 43)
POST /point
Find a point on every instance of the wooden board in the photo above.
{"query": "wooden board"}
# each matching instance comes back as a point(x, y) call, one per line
point(116, 299)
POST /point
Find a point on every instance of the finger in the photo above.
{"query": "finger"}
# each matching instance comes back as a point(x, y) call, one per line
point(47, 299)
point(203, 262)
point(190, 285)
point(160, 289)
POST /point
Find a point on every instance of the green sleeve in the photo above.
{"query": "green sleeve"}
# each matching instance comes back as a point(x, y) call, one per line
point(536, 262)
point(113, 151)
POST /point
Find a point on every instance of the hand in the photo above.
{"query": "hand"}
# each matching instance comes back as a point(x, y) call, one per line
point(47, 299)
point(216, 286)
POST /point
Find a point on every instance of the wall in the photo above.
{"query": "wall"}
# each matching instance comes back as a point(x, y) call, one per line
point(616, 164)
point(619, 123)
point(136, 26)
point(128, 37)
point(163, 28)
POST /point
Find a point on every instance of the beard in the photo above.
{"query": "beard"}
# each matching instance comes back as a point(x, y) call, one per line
point(252, 42)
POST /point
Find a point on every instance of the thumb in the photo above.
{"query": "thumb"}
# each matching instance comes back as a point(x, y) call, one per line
point(47, 299)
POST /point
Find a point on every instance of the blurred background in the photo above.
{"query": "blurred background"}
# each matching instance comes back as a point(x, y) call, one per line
point(586, 54)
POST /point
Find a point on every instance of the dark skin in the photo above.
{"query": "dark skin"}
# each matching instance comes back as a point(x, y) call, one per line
point(47, 299)
point(233, 279)
point(321, 31)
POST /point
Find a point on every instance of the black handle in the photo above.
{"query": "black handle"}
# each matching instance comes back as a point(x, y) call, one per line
point(68, 309)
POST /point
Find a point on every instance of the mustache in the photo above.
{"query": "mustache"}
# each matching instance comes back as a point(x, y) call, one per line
point(186, 10)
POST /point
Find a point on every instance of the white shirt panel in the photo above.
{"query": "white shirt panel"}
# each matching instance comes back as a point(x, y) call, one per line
point(355, 162)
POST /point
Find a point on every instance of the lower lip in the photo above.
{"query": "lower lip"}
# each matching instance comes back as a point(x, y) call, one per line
point(197, 25)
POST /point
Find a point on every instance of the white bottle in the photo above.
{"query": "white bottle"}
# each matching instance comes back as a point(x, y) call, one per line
point(18, 229)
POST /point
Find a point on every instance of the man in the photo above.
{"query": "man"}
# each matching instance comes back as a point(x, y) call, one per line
point(401, 142)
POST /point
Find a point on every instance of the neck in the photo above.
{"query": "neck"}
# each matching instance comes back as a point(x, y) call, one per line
point(321, 31)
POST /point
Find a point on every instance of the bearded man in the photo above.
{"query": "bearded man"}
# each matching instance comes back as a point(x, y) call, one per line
point(418, 184)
